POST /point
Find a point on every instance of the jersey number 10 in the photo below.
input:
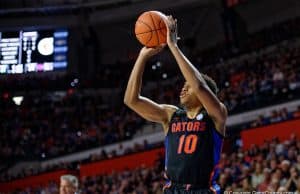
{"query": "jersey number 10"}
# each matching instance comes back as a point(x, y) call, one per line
point(187, 144)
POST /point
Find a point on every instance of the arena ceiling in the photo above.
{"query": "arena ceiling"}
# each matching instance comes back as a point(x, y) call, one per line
point(66, 12)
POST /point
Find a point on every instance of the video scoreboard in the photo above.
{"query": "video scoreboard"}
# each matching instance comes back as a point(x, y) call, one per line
point(33, 51)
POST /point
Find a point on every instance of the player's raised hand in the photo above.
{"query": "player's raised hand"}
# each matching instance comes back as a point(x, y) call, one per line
point(172, 36)
point(149, 52)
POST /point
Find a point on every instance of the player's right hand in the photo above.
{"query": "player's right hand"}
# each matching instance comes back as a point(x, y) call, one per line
point(149, 52)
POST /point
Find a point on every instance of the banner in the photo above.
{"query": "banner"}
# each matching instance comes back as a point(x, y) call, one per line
point(33, 181)
point(132, 161)
point(129, 162)
point(282, 130)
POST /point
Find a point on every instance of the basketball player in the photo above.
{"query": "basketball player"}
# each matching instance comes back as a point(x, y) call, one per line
point(68, 184)
point(193, 135)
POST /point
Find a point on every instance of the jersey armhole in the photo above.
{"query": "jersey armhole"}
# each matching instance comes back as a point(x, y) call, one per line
point(171, 119)
point(173, 115)
point(217, 132)
point(215, 129)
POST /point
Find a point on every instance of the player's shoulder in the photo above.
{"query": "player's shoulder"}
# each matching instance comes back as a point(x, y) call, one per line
point(170, 109)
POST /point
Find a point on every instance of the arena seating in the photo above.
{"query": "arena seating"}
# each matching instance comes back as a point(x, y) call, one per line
point(46, 126)
point(274, 73)
point(272, 166)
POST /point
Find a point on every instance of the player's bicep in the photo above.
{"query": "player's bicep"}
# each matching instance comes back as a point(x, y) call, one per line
point(150, 110)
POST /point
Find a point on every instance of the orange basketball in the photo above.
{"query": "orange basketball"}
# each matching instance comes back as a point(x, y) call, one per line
point(150, 29)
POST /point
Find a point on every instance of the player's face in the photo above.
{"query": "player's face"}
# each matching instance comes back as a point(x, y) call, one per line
point(187, 95)
point(66, 187)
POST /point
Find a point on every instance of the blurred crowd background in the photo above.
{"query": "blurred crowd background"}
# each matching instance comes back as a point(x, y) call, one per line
point(256, 66)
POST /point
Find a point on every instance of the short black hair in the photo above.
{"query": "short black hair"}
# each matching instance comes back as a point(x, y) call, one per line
point(211, 83)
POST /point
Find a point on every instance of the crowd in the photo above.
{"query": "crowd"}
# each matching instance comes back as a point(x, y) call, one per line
point(247, 84)
point(139, 181)
point(77, 123)
point(74, 165)
point(273, 166)
point(275, 117)
point(273, 34)
point(41, 128)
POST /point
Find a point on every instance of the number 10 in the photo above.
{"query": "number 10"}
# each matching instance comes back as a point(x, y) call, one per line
point(189, 142)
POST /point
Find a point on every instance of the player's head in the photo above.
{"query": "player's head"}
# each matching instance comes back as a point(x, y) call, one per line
point(188, 97)
point(68, 184)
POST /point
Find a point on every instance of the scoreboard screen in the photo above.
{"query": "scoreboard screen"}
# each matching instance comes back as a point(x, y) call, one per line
point(33, 51)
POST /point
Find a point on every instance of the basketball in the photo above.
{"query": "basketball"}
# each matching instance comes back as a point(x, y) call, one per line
point(150, 29)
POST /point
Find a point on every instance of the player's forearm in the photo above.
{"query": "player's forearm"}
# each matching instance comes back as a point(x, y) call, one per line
point(190, 73)
point(135, 81)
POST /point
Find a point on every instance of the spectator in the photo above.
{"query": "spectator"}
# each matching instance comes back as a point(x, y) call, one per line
point(239, 171)
point(296, 114)
point(267, 179)
point(297, 191)
point(298, 162)
point(275, 117)
point(68, 184)
point(246, 184)
point(257, 177)
point(260, 121)
point(285, 115)
point(291, 184)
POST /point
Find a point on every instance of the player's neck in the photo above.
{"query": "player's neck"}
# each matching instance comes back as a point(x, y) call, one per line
point(192, 111)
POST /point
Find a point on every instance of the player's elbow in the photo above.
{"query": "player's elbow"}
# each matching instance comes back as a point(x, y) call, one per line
point(127, 98)
point(125, 101)
point(129, 101)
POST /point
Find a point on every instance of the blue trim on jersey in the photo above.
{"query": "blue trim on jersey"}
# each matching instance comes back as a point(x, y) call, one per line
point(166, 151)
point(218, 141)
point(216, 188)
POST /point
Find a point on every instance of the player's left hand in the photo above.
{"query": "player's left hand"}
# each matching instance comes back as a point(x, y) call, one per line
point(172, 36)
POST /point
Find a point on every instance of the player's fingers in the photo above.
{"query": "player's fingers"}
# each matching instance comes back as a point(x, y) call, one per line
point(161, 46)
point(169, 18)
point(167, 22)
